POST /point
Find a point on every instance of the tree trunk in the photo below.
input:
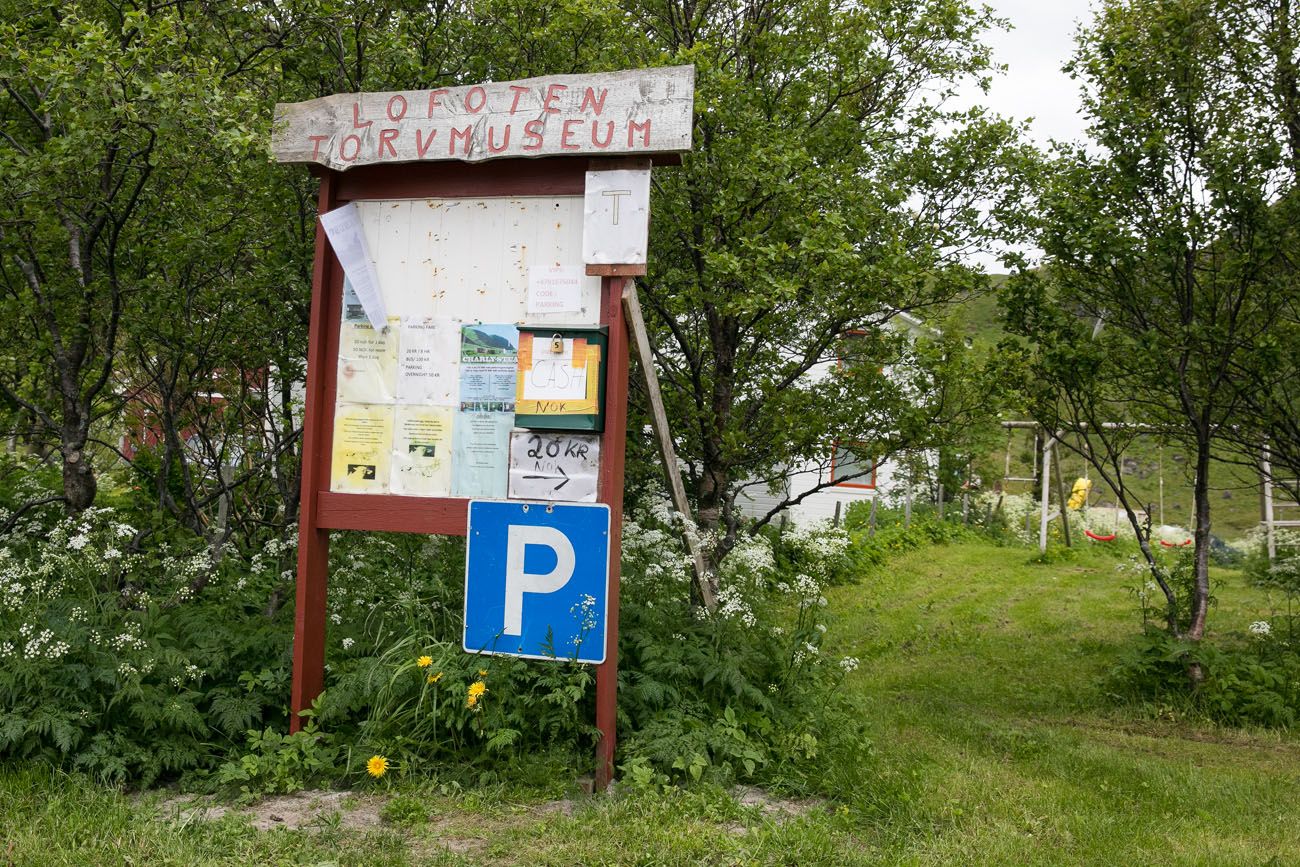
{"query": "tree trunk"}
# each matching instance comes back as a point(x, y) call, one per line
point(79, 484)
point(1201, 556)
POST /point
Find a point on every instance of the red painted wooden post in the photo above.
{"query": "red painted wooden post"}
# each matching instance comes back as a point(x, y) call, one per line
point(613, 451)
point(313, 541)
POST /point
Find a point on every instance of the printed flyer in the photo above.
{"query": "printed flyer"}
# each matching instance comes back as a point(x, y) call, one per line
point(481, 454)
point(488, 363)
point(363, 442)
point(367, 363)
point(422, 438)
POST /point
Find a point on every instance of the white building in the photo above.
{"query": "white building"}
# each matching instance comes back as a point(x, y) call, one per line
point(888, 483)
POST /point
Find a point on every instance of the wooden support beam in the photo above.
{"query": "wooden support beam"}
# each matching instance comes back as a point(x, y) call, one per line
point(663, 438)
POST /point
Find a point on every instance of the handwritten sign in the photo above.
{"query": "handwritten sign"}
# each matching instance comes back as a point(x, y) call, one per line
point(616, 217)
point(640, 111)
point(554, 466)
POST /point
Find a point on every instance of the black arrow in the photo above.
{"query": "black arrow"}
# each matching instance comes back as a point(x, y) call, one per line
point(560, 485)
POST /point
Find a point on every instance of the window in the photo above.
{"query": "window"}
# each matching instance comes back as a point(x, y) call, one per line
point(852, 460)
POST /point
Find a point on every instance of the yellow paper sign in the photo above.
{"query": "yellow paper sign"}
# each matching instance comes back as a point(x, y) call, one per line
point(566, 382)
point(363, 442)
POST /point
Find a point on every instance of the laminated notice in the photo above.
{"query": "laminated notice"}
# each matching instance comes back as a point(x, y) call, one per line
point(367, 363)
point(422, 440)
point(480, 459)
point(427, 352)
point(363, 442)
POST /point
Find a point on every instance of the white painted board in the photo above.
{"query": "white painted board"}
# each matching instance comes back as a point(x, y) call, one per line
point(469, 259)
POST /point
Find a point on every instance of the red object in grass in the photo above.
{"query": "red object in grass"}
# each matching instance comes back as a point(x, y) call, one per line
point(1175, 544)
point(1094, 537)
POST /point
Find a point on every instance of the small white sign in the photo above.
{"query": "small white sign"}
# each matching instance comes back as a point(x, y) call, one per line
point(552, 465)
point(343, 227)
point(555, 289)
point(616, 217)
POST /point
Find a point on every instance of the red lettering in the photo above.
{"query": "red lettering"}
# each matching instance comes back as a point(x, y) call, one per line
point(533, 129)
point(505, 140)
point(482, 99)
point(466, 135)
point(356, 117)
point(433, 99)
point(399, 100)
point(552, 94)
point(343, 148)
point(644, 128)
point(316, 140)
point(519, 91)
point(386, 137)
point(590, 98)
point(564, 139)
point(422, 146)
point(609, 133)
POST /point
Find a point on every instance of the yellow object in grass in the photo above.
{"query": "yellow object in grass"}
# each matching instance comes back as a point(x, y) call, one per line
point(433, 678)
point(476, 690)
point(377, 766)
point(424, 661)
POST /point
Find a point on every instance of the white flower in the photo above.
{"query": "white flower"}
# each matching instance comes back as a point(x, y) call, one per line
point(78, 541)
point(111, 553)
point(821, 627)
point(849, 664)
point(1261, 627)
point(348, 642)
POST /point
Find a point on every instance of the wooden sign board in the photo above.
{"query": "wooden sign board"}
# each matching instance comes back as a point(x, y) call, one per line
point(641, 112)
point(437, 276)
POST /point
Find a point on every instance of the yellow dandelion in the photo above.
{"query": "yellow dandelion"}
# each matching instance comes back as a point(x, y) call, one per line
point(377, 766)
point(433, 678)
point(482, 672)
point(476, 691)
point(424, 661)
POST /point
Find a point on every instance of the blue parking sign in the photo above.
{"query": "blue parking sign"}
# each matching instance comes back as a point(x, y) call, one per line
point(536, 580)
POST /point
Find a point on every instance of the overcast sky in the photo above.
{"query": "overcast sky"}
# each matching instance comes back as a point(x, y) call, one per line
point(1040, 41)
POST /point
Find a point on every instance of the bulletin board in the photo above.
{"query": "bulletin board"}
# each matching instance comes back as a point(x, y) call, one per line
point(493, 332)
point(479, 350)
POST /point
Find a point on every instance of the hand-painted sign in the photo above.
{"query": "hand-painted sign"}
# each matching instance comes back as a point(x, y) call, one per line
point(554, 466)
point(641, 111)
point(536, 580)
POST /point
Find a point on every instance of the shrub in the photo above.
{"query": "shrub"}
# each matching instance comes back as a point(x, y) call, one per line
point(112, 663)
point(1248, 680)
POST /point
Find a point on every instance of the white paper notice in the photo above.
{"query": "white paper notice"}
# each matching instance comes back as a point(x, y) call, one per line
point(343, 227)
point(427, 353)
point(422, 440)
point(616, 217)
point(555, 289)
point(548, 465)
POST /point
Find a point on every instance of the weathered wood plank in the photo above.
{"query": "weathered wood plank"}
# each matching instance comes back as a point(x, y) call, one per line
point(664, 439)
point(639, 111)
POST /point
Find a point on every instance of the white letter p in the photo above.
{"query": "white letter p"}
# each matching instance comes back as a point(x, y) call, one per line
point(519, 582)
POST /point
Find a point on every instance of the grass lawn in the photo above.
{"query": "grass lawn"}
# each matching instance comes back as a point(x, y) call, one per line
point(995, 745)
